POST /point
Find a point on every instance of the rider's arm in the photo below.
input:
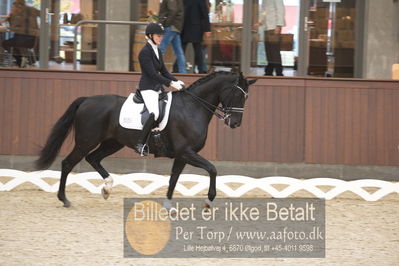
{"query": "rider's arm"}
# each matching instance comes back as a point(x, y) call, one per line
point(150, 70)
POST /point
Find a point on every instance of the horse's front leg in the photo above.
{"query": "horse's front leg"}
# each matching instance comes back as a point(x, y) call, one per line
point(196, 160)
point(178, 166)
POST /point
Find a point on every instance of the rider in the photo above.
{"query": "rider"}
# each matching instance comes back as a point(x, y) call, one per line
point(153, 76)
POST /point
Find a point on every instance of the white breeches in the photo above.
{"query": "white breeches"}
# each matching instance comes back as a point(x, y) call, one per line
point(150, 98)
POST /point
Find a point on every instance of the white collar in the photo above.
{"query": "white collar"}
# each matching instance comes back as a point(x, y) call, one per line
point(154, 47)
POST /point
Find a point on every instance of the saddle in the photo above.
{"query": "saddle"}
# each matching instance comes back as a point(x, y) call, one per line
point(162, 101)
point(131, 114)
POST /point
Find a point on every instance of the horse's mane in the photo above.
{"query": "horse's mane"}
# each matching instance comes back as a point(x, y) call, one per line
point(205, 79)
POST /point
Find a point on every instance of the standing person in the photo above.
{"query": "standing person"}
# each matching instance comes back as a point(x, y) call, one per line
point(171, 15)
point(204, 46)
point(273, 18)
point(153, 75)
point(196, 24)
point(23, 23)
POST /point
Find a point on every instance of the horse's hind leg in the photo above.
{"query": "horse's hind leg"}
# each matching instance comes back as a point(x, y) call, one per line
point(67, 165)
point(106, 148)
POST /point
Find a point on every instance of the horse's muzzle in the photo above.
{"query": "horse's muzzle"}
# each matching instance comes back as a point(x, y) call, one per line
point(232, 124)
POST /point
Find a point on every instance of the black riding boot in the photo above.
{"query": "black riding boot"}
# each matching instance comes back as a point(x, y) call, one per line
point(140, 146)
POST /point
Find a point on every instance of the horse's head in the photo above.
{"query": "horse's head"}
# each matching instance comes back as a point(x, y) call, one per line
point(233, 99)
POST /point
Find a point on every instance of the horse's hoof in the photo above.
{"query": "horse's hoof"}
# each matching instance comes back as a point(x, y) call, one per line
point(106, 190)
point(105, 193)
point(64, 200)
point(207, 204)
point(206, 208)
point(167, 204)
point(173, 213)
point(67, 204)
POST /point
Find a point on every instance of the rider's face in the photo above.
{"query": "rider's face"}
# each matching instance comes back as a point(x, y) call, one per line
point(157, 38)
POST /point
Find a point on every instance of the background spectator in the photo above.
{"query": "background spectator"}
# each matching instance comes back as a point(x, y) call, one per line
point(24, 25)
point(196, 23)
point(171, 15)
point(273, 19)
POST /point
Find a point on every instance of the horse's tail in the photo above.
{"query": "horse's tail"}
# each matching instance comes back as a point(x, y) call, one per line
point(57, 136)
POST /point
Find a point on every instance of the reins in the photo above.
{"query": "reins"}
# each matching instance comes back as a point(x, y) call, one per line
point(224, 113)
point(205, 104)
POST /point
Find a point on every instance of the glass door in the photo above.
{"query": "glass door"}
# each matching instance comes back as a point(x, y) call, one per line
point(223, 48)
point(266, 16)
point(58, 21)
point(48, 31)
point(328, 40)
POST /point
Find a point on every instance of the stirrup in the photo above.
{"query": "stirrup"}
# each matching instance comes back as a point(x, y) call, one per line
point(141, 149)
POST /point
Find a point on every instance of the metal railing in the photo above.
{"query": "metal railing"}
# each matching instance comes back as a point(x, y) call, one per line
point(111, 22)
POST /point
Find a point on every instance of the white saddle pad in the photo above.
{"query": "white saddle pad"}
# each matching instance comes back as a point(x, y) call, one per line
point(130, 116)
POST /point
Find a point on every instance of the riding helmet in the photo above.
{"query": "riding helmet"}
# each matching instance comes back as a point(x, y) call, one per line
point(154, 28)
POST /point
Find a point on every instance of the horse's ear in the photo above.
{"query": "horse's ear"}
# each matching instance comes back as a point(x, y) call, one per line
point(241, 75)
point(252, 81)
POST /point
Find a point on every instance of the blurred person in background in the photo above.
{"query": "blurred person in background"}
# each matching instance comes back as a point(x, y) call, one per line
point(24, 26)
point(171, 15)
point(273, 19)
point(196, 25)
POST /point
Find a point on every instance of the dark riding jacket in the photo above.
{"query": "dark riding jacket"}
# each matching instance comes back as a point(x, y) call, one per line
point(153, 71)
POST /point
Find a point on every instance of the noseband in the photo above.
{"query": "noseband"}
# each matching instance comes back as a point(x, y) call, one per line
point(228, 110)
point(222, 113)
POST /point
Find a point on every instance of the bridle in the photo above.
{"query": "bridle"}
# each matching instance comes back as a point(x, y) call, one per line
point(222, 113)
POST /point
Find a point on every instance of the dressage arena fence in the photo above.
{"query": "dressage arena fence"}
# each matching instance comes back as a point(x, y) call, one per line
point(224, 184)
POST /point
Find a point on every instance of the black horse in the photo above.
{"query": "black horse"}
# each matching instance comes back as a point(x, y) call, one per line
point(96, 123)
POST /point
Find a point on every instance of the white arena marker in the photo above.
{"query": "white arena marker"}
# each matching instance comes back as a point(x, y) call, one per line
point(202, 183)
